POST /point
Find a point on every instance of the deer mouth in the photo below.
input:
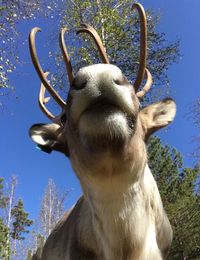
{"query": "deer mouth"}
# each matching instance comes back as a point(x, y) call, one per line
point(101, 105)
point(106, 119)
point(105, 125)
point(105, 107)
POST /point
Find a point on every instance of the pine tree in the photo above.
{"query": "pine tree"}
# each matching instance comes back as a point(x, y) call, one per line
point(179, 188)
point(195, 112)
point(3, 198)
point(4, 230)
point(4, 246)
point(19, 224)
point(21, 221)
point(13, 220)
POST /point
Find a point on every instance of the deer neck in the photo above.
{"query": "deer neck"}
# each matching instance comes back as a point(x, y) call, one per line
point(113, 189)
point(117, 216)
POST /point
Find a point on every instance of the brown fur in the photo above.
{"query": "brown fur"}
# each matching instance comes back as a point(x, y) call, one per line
point(120, 215)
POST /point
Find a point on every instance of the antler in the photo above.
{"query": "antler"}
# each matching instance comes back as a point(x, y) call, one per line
point(90, 30)
point(147, 85)
point(66, 56)
point(143, 54)
point(143, 44)
point(42, 100)
point(40, 71)
point(84, 28)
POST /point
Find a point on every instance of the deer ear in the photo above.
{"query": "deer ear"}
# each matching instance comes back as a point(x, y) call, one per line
point(48, 137)
point(157, 116)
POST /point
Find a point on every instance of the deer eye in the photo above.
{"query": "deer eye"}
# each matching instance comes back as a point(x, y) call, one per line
point(63, 119)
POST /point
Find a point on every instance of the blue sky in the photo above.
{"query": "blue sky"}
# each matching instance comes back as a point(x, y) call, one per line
point(179, 20)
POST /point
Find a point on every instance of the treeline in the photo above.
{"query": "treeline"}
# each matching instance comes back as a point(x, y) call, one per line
point(179, 187)
point(14, 221)
point(21, 236)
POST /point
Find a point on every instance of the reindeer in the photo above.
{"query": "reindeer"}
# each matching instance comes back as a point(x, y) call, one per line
point(103, 130)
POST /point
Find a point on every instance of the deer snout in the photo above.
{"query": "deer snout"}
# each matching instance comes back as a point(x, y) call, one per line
point(103, 85)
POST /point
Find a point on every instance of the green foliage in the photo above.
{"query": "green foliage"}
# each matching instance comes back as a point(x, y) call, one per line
point(20, 222)
point(118, 27)
point(4, 245)
point(11, 12)
point(3, 198)
point(13, 222)
point(4, 231)
point(116, 24)
point(195, 112)
point(179, 188)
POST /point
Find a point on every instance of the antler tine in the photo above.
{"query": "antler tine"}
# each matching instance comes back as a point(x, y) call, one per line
point(66, 55)
point(147, 86)
point(143, 44)
point(42, 100)
point(39, 70)
point(90, 30)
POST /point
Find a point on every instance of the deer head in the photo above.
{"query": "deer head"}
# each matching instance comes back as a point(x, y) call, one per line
point(102, 127)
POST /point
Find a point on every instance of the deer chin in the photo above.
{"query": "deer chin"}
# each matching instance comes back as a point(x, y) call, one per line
point(105, 126)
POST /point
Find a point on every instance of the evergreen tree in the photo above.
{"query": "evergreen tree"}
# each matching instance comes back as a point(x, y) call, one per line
point(179, 189)
point(21, 221)
point(3, 198)
point(4, 230)
point(13, 221)
point(196, 119)
point(4, 246)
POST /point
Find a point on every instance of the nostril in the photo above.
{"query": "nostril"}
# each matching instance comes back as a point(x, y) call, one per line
point(79, 85)
point(122, 81)
point(117, 81)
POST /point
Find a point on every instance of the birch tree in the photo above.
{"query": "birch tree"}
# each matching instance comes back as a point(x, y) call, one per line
point(52, 208)
point(118, 27)
point(14, 221)
point(12, 12)
point(10, 193)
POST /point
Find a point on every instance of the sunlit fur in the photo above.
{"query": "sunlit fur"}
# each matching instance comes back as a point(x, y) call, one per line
point(120, 215)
